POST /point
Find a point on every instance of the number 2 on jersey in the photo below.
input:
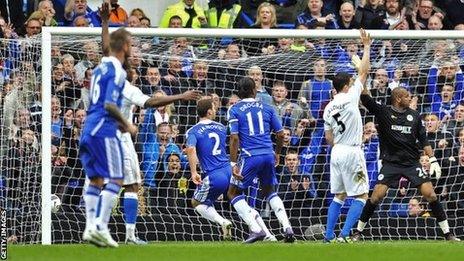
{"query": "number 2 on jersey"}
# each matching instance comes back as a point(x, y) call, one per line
point(216, 150)
point(339, 122)
point(260, 123)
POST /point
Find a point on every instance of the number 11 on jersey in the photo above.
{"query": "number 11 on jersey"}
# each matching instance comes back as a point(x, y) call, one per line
point(250, 119)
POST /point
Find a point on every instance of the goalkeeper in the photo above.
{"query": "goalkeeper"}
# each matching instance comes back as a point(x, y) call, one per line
point(402, 136)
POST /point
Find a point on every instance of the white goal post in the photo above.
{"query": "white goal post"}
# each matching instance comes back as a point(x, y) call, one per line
point(46, 65)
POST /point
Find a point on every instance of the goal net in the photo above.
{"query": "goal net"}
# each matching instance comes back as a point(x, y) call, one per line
point(294, 69)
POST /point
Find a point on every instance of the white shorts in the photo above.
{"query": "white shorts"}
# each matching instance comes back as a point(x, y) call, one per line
point(348, 172)
point(131, 161)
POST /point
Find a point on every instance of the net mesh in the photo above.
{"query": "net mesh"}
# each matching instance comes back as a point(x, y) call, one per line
point(296, 75)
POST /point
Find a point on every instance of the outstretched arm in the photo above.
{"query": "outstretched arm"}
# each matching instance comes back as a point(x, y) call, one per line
point(365, 64)
point(165, 100)
point(105, 16)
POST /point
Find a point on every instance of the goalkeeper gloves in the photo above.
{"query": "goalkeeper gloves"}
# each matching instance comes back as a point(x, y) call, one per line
point(435, 168)
point(356, 62)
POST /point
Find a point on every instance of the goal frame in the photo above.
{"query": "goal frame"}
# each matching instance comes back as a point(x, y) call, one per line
point(48, 32)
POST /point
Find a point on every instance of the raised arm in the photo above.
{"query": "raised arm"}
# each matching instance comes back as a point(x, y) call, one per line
point(365, 64)
point(105, 16)
point(68, 10)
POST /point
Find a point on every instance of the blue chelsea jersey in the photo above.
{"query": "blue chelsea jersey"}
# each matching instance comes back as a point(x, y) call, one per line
point(209, 139)
point(106, 87)
point(253, 121)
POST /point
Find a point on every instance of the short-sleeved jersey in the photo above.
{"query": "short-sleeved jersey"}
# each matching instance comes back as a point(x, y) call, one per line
point(133, 96)
point(401, 134)
point(342, 116)
point(253, 121)
point(209, 139)
point(106, 87)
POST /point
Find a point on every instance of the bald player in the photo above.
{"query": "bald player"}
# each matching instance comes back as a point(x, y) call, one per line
point(402, 139)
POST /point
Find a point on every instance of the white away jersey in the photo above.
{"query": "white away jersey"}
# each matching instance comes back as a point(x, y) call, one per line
point(131, 96)
point(342, 116)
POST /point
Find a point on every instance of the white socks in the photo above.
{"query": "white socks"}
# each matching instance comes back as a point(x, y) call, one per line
point(261, 223)
point(108, 198)
point(91, 198)
point(130, 231)
point(278, 206)
point(210, 213)
point(444, 226)
point(361, 226)
point(247, 214)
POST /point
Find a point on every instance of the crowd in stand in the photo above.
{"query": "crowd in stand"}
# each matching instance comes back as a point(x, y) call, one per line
point(293, 75)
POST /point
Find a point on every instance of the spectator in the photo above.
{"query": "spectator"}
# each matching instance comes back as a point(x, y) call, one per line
point(225, 14)
point(156, 142)
point(416, 209)
point(435, 23)
point(456, 123)
point(81, 21)
point(118, 16)
point(449, 73)
point(312, 17)
point(173, 185)
point(368, 12)
point(255, 73)
point(64, 88)
point(152, 81)
point(380, 91)
point(33, 27)
point(347, 20)
point(192, 15)
point(75, 8)
point(175, 22)
point(391, 18)
point(443, 104)
point(145, 22)
point(90, 60)
point(296, 187)
point(133, 21)
point(139, 13)
point(371, 152)
point(346, 50)
point(442, 141)
point(46, 7)
point(289, 112)
point(265, 19)
point(424, 12)
point(38, 15)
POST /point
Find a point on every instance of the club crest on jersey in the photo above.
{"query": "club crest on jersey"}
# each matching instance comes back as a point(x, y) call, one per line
point(409, 117)
point(394, 117)
point(380, 177)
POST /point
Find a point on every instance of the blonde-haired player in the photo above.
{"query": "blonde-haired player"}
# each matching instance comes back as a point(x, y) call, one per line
point(343, 131)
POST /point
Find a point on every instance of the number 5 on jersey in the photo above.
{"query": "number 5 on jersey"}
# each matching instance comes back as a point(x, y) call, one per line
point(339, 122)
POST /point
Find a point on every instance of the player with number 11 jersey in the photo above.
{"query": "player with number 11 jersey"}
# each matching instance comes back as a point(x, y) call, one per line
point(251, 123)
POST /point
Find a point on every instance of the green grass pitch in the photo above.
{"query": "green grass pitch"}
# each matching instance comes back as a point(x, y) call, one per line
point(217, 251)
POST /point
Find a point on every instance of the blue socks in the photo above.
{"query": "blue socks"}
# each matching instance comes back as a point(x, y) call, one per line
point(130, 207)
point(332, 217)
point(353, 215)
